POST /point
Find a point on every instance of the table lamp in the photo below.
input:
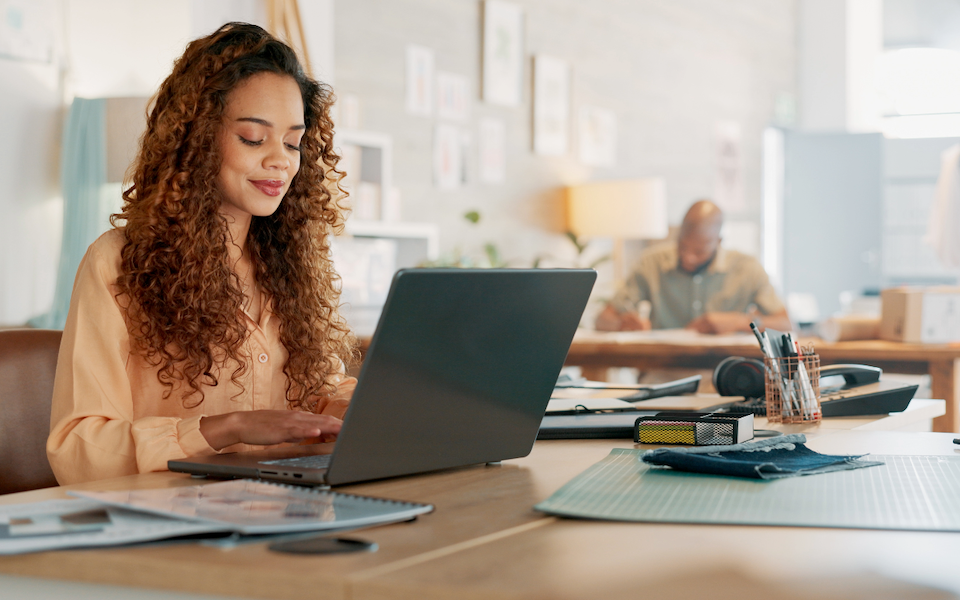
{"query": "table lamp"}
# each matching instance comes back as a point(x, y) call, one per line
point(627, 209)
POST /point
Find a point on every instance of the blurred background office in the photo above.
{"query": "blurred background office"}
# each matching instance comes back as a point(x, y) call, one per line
point(816, 125)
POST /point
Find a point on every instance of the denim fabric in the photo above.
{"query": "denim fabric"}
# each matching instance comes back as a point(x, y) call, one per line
point(772, 458)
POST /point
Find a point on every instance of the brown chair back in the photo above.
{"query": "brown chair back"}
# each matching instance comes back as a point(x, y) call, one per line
point(28, 363)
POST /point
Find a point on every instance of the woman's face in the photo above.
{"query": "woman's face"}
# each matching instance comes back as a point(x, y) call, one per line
point(259, 143)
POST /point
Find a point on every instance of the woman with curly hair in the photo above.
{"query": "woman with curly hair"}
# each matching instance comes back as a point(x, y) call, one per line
point(207, 319)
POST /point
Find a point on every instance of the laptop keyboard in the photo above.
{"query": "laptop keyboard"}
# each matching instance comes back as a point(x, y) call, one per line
point(317, 461)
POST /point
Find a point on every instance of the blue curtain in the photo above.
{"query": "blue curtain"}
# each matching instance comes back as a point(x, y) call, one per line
point(83, 173)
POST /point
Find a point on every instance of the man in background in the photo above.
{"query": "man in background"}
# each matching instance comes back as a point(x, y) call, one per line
point(696, 284)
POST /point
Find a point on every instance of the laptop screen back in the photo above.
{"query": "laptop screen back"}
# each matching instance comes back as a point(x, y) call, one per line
point(460, 369)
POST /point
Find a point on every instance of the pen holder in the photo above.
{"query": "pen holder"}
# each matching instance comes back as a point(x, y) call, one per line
point(792, 389)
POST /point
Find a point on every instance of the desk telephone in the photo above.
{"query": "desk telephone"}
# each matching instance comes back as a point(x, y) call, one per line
point(845, 390)
point(861, 392)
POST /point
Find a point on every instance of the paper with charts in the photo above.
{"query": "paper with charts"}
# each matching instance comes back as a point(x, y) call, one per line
point(252, 507)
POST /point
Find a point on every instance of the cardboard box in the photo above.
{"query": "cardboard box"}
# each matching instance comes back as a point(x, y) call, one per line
point(928, 315)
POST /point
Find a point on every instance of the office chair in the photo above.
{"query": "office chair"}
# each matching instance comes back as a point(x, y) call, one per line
point(28, 363)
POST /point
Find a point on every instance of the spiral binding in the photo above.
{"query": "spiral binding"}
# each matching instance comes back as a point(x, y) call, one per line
point(329, 492)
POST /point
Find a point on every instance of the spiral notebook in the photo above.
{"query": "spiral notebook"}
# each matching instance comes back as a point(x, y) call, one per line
point(258, 507)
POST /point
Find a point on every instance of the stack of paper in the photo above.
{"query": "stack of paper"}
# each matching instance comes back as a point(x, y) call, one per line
point(241, 506)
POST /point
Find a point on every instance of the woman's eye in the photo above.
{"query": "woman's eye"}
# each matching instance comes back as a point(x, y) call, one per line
point(250, 142)
point(294, 147)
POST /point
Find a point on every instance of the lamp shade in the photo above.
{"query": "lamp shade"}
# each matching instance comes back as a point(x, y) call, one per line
point(629, 209)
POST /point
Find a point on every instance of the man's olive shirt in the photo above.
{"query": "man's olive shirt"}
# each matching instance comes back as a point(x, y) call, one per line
point(732, 282)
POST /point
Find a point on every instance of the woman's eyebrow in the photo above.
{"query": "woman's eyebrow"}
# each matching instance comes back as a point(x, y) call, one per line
point(266, 123)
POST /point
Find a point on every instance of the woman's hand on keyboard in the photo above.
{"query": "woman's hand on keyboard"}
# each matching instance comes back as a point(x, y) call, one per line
point(335, 405)
point(267, 427)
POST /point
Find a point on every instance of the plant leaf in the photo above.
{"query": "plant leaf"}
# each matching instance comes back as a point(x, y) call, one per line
point(600, 261)
point(493, 255)
point(576, 242)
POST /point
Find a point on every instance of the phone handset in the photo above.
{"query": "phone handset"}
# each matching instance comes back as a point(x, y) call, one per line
point(853, 375)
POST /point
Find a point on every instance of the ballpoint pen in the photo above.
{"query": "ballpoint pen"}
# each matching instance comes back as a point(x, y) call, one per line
point(793, 385)
point(767, 349)
point(803, 386)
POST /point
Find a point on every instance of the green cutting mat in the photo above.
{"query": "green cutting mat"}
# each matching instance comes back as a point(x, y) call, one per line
point(906, 492)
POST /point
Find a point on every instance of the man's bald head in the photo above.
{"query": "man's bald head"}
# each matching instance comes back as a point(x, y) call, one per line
point(699, 235)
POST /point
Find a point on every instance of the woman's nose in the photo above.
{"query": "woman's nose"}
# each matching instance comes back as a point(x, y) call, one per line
point(276, 157)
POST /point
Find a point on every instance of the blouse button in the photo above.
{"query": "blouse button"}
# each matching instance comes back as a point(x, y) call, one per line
point(263, 357)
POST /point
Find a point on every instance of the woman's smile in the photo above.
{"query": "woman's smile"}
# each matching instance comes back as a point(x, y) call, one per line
point(270, 187)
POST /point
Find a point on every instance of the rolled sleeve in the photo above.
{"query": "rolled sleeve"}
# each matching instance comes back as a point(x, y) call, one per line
point(159, 439)
point(191, 441)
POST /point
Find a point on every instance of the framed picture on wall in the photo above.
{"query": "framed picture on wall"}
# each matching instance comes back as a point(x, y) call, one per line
point(419, 80)
point(491, 149)
point(447, 157)
point(27, 29)
point(502, 53)
point(551, 105)
point(598, 136)
point(728, 180)
point(453, 97)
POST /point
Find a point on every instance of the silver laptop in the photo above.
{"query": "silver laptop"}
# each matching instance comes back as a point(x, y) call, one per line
point(459, 372)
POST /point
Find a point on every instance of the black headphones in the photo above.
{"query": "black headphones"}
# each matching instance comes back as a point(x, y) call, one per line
point(739, 376)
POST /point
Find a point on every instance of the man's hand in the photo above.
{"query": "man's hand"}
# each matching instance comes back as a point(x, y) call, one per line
point(266, 427)
point(720, 322)
point(611, 320)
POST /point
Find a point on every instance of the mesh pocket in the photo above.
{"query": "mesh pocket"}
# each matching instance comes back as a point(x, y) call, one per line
point(699, 429)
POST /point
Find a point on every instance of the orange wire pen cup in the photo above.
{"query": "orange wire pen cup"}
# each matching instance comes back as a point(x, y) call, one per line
point(792, 389)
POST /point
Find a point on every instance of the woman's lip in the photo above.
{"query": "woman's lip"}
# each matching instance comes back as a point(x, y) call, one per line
point(270, 187)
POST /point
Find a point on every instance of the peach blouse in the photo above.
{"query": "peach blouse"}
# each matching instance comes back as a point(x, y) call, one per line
point(109, 416)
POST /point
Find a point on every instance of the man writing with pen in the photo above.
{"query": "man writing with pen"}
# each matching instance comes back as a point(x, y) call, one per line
point(697, 284)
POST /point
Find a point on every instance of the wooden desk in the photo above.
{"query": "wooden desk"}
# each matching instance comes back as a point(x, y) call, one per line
point(597, 351)
point(485, 541)
point(570, 559)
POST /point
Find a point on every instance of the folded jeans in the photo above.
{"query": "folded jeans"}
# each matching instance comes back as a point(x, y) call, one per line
point(772, 458)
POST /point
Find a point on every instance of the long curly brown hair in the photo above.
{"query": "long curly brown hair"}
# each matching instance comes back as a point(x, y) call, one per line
point(181, 297)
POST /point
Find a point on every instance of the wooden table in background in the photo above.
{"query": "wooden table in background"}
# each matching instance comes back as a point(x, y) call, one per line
point(486, 541)
point(942, 361)
point(595, 352)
